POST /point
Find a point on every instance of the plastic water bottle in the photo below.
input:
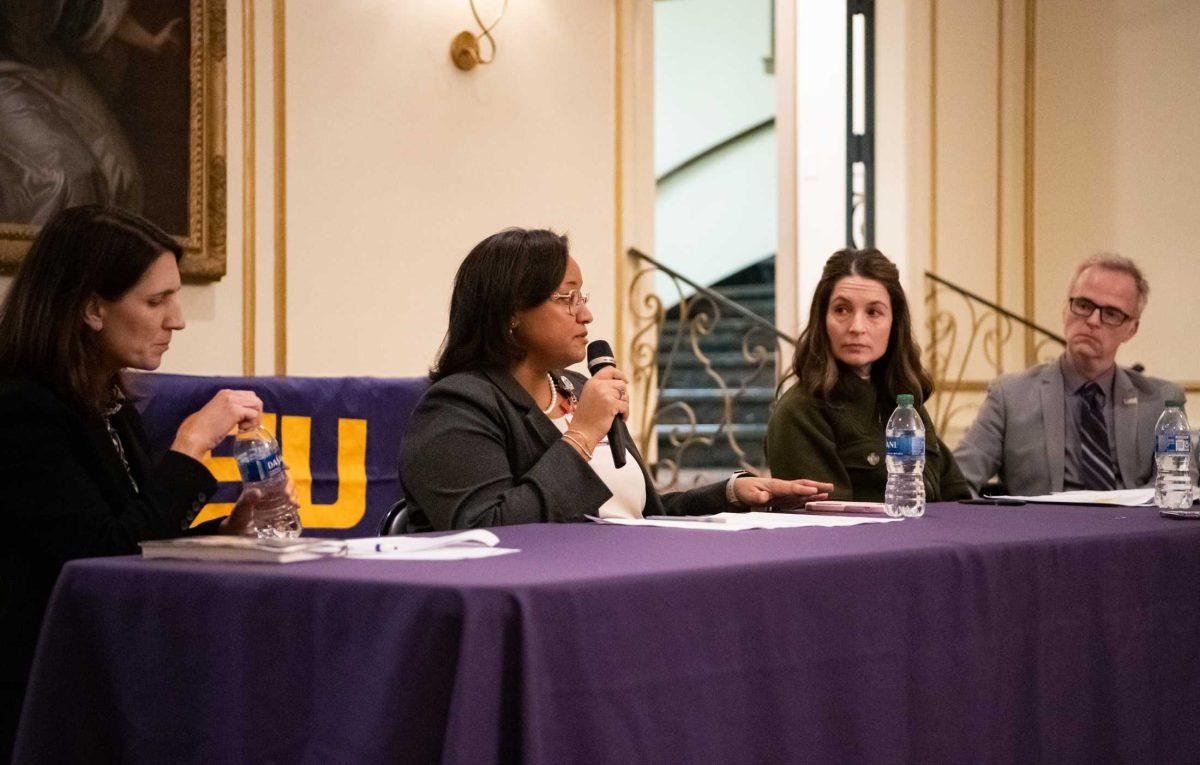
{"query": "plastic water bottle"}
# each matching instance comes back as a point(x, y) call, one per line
point(261, 466)
point(905, 492)
point(1173, 459)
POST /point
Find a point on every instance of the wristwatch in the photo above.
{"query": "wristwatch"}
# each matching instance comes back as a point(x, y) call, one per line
point(730, 494)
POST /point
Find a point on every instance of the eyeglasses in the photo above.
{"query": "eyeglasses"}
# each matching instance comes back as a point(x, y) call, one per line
point(574, 299)
point(1084, 308)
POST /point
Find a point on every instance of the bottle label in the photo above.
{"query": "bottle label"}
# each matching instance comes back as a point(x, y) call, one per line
point(254, 471)
point(905, 446)
point(1177, 443)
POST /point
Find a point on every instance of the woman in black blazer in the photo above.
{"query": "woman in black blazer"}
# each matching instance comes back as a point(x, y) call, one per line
point(97, 293)
point(505, 436)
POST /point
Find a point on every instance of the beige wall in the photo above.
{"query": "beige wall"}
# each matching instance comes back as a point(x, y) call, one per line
point(1115, 165)
point(1118, 160)
point(398, 163)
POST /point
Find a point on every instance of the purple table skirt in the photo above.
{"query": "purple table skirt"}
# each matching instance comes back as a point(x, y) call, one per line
point(975, 634)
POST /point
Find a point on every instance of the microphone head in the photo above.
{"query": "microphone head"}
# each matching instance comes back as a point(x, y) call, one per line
point(600, 355)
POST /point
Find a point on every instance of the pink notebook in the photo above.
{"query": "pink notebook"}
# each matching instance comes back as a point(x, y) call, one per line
point(852, 508)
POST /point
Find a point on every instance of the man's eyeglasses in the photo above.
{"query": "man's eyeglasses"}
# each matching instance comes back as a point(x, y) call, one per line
point(574, 299)
point(1083, 308)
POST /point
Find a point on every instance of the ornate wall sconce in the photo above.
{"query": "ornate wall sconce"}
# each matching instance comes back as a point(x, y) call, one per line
point(464, 48)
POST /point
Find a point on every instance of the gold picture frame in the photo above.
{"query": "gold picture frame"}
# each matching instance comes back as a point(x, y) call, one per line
point(204, 221)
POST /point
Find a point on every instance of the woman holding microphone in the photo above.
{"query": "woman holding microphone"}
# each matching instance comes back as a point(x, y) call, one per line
point(506, 436)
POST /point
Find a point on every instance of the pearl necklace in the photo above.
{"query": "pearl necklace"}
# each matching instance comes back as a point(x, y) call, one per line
point(553, 395)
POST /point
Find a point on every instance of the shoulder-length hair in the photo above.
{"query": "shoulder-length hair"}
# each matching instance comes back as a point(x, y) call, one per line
point(514, 270)
point(899, 370)
point(81, 252)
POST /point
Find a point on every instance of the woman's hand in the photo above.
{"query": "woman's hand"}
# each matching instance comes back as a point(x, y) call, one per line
point(241, 518)
point(603, 398)
point(779, 494)
point(203, 430)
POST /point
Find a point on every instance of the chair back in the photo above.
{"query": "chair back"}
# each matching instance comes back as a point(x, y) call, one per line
point(395, 521)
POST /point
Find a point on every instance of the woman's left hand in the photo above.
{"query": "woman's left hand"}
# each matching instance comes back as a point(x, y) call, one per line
point(779, 494)
point(241, 518)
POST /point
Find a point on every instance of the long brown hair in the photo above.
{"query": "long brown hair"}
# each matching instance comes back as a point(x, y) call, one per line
point(80, 252)
point(899, 370)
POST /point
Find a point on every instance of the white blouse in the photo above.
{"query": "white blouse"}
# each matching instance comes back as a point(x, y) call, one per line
point(627, 484)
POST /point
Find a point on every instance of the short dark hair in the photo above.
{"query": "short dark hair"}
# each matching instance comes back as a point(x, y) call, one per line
point(80, 252)
point(899, 370)
point(514, 270)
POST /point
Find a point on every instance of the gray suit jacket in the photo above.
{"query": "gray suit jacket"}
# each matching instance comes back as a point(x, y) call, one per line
point(479, 452)
point(1019, 433)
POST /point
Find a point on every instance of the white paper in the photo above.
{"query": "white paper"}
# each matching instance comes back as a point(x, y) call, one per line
point(682, 523)
point(476, 543)
point(441, 553)
point(474, 538)
point(1120, 497)
point(760, 520)
point(751, 520)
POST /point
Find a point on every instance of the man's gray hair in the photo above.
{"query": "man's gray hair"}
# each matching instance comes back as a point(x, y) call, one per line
point(1114, 262)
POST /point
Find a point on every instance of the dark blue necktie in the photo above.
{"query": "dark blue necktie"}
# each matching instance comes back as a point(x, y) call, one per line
point(1095, 462)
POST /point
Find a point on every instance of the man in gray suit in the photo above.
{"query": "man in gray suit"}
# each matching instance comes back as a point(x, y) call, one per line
point(1080, 422)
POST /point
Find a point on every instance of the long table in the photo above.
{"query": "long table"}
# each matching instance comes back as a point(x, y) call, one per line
point(974, 634)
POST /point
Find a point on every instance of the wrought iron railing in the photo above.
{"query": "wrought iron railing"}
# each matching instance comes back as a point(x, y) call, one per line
point(699, 361)
point(972, 341)
point(671, 433)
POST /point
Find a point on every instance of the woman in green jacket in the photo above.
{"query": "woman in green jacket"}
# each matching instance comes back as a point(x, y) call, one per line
point(856, 354)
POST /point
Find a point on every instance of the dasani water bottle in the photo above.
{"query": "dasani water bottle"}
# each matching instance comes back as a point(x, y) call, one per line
point(1173, 459)
point(261, 466)
point(905, 492)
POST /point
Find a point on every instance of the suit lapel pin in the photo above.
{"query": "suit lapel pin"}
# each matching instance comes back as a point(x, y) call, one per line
point(1129, 400)
point(872, 459)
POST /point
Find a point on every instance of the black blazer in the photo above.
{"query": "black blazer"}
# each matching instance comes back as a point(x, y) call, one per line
point(479, 452)
point(65, 494)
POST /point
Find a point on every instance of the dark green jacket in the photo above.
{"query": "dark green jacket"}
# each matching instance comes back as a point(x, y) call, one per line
point(842, 441)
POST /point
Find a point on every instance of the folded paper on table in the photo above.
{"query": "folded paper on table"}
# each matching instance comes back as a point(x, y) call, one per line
point(1119, 497)
point(476, 543)
point(437, 553)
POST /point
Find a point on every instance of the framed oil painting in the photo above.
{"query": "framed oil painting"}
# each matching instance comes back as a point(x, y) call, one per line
point(117, 102)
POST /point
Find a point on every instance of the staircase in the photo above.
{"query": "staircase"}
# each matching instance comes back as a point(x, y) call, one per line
point(684, 379)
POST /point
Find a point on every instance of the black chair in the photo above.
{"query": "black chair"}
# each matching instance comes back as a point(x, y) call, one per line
point(395, 521)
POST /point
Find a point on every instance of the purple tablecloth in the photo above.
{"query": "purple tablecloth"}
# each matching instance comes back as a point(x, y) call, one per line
point(1038, 633)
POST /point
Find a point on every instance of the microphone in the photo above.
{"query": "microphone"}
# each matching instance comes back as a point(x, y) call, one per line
point(600, 355)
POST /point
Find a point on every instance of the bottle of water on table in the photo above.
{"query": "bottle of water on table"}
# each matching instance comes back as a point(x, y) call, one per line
point(905, 492)
point(261, 466)
point(1173, 459)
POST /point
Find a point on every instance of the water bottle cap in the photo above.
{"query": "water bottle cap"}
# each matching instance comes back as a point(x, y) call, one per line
point(1173, 403)
point(904, 399)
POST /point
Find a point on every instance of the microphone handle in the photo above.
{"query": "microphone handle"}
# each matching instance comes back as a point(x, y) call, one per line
point(616, 441)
